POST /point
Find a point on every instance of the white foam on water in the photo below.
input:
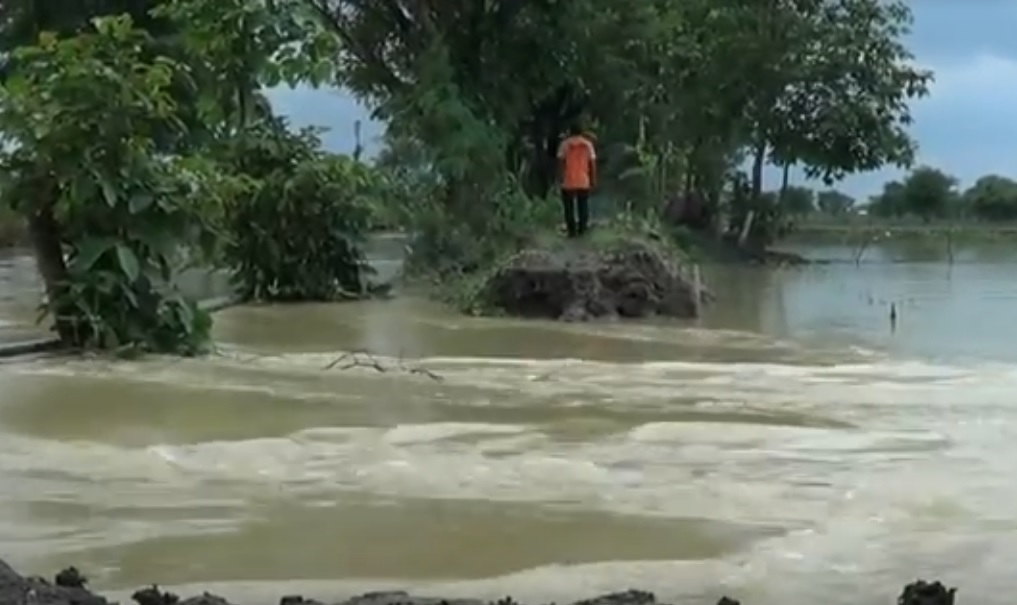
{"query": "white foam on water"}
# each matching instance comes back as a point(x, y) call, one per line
point(912, 449)
point(425, 433)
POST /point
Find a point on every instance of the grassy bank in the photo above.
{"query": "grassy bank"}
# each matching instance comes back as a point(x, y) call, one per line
point(859, 229)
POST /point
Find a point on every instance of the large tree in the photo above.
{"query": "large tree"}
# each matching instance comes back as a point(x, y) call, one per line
point(678, 88)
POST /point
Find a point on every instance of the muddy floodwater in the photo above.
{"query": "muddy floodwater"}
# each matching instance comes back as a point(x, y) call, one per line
point(787, 448)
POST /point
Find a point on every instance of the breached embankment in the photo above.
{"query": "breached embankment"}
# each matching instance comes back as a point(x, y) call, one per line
point(617, 276)
point(69, 587)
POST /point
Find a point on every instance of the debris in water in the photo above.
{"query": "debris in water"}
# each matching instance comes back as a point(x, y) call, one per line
point(70, 578)
point(153, 596)
point(364, 359)
point(921, 592)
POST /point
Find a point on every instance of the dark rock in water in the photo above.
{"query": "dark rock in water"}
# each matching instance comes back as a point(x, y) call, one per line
point(921, 592)
point(629, 597)
point(153, 596)
point(205, 599)
point(70, 578)
point(69, 589)
point(582, 281)
point(18, 590)
point(398, 597)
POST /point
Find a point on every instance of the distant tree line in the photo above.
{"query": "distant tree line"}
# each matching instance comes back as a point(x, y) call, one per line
point(926, 193)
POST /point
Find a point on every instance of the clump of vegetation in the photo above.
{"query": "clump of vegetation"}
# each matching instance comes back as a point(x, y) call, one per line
point(296, 226)
point(111, 165)
point(85, 113)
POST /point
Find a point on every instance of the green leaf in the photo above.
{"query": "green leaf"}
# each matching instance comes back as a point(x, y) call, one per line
point(323, 71)
point(185, 315)
point(109, 193)
point(128, 262)
point(129, 294)
point(88, 252)
point(141, 201)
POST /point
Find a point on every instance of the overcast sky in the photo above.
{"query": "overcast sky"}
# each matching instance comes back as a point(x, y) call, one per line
point(967, 126)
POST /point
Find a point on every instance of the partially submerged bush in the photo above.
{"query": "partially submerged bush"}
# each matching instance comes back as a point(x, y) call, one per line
point(296, 231)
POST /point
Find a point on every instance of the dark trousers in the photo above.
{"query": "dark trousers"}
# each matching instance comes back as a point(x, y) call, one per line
point(575, 205)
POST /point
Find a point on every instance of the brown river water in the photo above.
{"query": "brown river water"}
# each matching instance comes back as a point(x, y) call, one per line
point(787, 448)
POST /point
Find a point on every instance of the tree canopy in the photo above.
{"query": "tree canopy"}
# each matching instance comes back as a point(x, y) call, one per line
point(930, 193)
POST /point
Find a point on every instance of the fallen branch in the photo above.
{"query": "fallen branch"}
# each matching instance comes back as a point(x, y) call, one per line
point(364, 359)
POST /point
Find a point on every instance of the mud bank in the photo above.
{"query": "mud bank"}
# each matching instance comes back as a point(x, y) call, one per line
point(69, 587)
point(590, 279)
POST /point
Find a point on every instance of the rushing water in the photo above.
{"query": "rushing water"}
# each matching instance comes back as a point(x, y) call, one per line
point(788, 448)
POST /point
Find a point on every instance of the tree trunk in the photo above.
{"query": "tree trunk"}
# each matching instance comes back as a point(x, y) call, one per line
point(44, 233)
point(757, 170)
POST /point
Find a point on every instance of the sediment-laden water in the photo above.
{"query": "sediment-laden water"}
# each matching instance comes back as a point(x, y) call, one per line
point(786, 448)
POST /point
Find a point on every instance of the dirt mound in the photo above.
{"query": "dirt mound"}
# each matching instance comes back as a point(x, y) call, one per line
point(68, 588)
point(580, 280)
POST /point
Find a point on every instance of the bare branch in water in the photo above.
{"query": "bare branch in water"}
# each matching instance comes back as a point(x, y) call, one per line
point(365, 359)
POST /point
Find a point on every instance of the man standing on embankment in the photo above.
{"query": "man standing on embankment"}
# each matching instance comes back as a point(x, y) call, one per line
point(577, 162)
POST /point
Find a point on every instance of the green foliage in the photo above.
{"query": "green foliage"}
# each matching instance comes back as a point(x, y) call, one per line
point(992, 198)
point(84, 113)
point(824, 84)
point(926, 193)
point(892, 202)
point(12, 227)
point(110, 124)
point(798, 201)
point(929, 192)
point(297, 225)
point(454, 193)
point(841, 102)
point(834, 202)
point(237, 46)
point(475, 116)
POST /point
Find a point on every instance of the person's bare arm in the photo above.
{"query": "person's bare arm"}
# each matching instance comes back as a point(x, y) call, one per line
point(593, 165)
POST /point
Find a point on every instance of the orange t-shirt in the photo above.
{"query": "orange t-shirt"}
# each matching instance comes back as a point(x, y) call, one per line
point(577, 153)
